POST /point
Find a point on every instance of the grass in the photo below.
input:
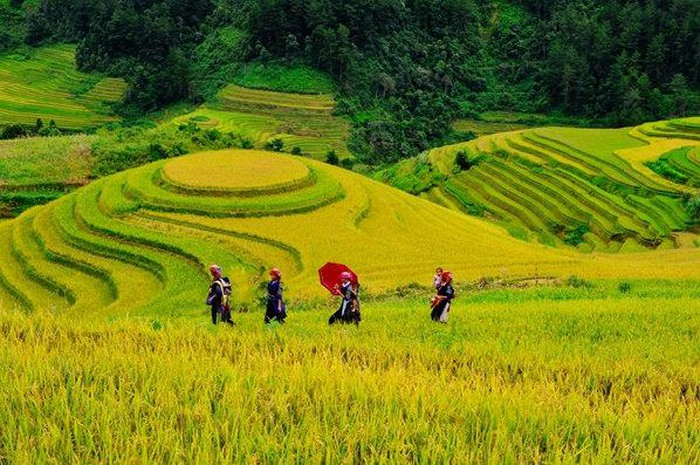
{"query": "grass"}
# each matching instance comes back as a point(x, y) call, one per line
point(539, 375)
point(43, 83)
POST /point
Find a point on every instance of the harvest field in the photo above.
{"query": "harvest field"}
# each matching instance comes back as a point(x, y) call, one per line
point(168, 220)
point(595, 189)
point(299, 120)
point(43, 83)
point(109, 355)
point(538, 375)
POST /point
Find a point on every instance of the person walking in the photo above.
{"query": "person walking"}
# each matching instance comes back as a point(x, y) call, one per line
point(442, 302)
point(219, 297)
point(349, 310)
point(437, 279)
point(276, 309)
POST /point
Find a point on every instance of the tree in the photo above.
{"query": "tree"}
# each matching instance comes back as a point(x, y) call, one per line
point(332, 158)
point(678, 88)
point(276, 145)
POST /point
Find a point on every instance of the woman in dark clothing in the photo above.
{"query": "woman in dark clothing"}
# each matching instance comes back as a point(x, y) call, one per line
point(219, 296)
point(276, 310)
point(442, 302)
point(349, 310)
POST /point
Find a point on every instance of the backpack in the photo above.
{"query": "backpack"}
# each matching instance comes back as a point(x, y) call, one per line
point(225, 284)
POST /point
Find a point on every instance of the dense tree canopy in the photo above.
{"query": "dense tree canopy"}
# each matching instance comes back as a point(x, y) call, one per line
point(405, 68)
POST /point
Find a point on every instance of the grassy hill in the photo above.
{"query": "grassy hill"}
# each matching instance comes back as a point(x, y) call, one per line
point(140, 241)
point(596, 189)
point(43, 83)
point(305, 121)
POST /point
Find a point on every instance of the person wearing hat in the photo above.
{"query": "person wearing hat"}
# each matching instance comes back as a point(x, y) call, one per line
point(349, 310)
point(276, 309)
point(219, 297)
point(443, 300)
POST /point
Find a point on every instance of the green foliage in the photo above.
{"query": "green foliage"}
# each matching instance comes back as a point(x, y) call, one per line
point(574, 236)
point(414, 175)
point(332, 158)
point(693, 208)
point(298, 79)
point(403, 71)
point(13, 25)
point(676, 166)
point(130, 147)
point(465, 160)
point(275, 145)
point(624, 287)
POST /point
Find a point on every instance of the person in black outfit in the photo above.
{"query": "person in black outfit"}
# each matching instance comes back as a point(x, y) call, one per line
point(349, 310)
point(219, 296)
point(276, 309)
point(442, 302)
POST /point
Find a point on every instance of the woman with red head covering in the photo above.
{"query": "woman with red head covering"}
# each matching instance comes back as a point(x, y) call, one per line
point(443, 300)
point(276, 310)
point(219, 296)
point(349, 310)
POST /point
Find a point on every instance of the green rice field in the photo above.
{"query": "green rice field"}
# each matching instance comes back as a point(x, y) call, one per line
point(43, 83)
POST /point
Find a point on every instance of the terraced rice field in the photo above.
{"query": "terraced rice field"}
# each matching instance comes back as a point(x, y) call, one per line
point(139, 242)
point(46, 85)
point(299, 120)
point(589, 188)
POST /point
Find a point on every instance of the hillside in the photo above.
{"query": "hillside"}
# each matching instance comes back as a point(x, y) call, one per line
point(595, 189)
point(139, 241)
point(43, 83)
point(298, 120)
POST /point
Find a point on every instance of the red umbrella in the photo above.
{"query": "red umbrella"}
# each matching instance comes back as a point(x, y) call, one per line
point(329, 275)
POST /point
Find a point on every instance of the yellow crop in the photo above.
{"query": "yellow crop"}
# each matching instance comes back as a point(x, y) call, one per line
point(235, 171)
point(390, 238)
point(521, 377)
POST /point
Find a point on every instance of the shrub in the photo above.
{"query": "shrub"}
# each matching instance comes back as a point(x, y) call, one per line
point(332, 158)
point(296, 150)
point(276, 145)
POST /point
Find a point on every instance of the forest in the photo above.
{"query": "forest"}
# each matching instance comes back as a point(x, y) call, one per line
point(403, 70)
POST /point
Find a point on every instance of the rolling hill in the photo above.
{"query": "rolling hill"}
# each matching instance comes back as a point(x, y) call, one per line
point(139, 242)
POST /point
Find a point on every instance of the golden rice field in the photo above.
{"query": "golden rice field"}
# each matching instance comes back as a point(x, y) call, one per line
point(557, 375)
point(299, 120)
point(108, 354)
point(139, 242)
point(595, 189)
point(45, 84)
